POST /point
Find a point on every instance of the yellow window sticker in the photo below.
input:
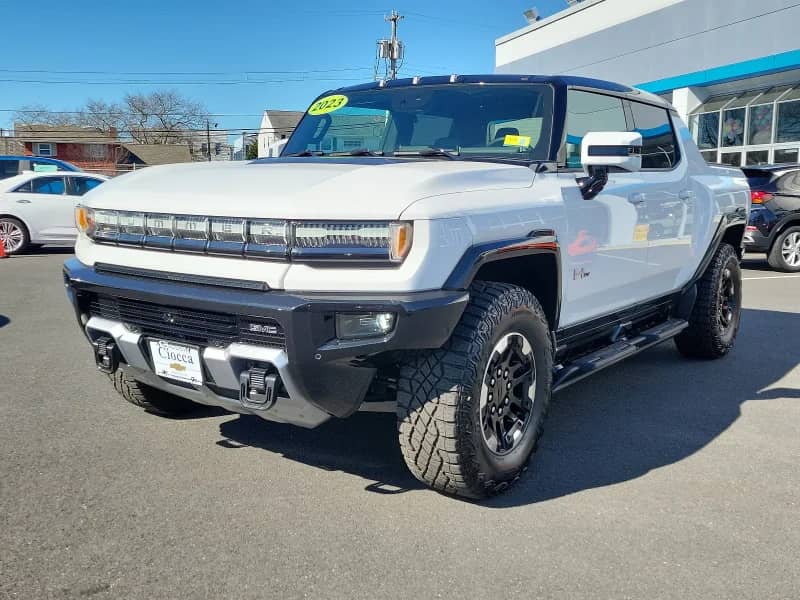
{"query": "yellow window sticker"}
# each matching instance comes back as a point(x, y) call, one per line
point(521, 141)
point(327, 105)
point(640, 233)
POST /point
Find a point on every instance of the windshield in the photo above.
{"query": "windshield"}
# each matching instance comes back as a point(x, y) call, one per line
point(505, 121)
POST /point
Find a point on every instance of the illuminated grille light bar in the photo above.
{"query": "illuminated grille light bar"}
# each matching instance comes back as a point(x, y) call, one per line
point(374, 242)
point(343, 235)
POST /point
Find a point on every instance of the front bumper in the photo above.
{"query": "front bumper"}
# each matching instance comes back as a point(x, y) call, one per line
point(321, 376)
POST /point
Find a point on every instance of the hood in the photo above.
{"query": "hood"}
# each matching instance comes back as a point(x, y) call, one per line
point(302, 188)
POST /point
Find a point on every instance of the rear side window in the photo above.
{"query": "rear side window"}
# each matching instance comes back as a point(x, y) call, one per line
point(587, 112)
point(81, 185)
point(659, 145)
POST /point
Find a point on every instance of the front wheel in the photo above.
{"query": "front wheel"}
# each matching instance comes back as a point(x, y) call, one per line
point(13, 235)
point(785, 252)
point(471, 413)
point(715, 318)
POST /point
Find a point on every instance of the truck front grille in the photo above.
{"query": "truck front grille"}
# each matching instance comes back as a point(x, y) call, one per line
point(201, 327)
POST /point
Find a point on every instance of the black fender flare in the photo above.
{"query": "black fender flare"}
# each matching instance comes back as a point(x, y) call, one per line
point(537, 242)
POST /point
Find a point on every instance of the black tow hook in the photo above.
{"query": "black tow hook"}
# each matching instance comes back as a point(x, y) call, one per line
point(106, 355)
point(258, 388)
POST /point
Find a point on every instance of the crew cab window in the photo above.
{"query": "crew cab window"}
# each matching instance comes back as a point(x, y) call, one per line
point(81, 185)
point(587, 112)
point(659, 145)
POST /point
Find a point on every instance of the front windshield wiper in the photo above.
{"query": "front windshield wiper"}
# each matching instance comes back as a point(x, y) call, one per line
point(305, 153)
point(451, 154)
point(357, 152)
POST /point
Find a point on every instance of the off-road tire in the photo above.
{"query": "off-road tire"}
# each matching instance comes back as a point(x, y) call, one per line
point(151, 399)
point(438, 412)
point(775, 256)
point(26, 237)
point(706, 337)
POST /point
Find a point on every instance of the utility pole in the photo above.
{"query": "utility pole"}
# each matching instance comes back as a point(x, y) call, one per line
point(391, 50)
point(208, 139)
point(397, 47)
point(244, 145)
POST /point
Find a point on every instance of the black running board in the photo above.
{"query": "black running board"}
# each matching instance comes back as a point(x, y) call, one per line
point(581, 367)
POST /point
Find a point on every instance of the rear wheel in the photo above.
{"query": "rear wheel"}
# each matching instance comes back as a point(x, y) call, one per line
point(151, 399)
point(13, 235)
point(785, 252)
point(715, 318)
point(470, 414)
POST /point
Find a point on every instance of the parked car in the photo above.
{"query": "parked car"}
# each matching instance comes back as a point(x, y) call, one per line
point(14, 165)
point(39, 208)
point(774, 226)
point(452, 249)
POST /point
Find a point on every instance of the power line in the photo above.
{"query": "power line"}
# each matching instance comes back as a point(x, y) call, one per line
point(177, 82)
point(185, 73)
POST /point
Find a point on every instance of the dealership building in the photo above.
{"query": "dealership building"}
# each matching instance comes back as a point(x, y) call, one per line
point(730, 67)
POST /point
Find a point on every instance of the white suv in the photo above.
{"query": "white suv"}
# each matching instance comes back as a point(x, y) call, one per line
point(452, 248)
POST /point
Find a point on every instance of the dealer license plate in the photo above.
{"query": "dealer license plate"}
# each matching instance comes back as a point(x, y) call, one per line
point(176, 361)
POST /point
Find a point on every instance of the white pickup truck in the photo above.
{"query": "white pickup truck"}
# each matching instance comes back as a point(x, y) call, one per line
point(454, 249)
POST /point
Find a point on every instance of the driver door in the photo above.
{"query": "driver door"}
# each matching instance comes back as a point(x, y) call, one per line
point(604, 255)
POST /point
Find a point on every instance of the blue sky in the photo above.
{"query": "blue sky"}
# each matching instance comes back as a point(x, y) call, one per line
point(300, 48)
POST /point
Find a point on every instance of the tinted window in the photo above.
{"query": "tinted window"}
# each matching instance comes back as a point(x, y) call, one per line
point(81, 185)
point(590, 112)
point(659, 146)
point(25, 187)
point(48, 185)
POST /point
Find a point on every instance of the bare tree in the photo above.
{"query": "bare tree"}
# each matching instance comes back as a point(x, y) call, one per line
point(159, 117)
point(37, 114)
point(162, 117)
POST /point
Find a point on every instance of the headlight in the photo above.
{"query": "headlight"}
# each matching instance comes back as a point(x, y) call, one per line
point(106, 224)
point(358, 241)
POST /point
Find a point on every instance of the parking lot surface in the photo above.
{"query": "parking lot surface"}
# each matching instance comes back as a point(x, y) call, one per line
point(659, 478)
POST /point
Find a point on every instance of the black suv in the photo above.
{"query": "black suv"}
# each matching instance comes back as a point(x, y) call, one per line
point(774, 225)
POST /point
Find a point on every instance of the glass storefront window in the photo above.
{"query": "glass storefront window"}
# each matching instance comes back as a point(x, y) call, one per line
point(788, 122)
point(710, 156)
point(760, 128)
point(706, 130)
point(785, 155)
point(733, 127)
point(733, 159)
point(757, 157)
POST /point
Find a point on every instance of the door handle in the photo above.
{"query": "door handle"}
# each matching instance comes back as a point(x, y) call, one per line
point(23, 201)
point(685, 195)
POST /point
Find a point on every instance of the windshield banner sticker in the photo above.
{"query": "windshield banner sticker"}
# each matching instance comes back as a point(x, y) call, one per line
point(327, 105)
point(521, 141)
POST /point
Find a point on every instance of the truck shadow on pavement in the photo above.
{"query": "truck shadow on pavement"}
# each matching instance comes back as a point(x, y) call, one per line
point(643, 414)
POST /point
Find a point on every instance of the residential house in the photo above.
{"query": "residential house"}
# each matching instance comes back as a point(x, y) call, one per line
point(88, 148)
point(276, 125)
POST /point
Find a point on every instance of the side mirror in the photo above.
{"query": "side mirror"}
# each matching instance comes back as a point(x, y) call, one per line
point(602, 151)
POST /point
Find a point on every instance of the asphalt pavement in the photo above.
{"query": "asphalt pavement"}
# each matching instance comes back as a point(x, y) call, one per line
point(659, 478)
